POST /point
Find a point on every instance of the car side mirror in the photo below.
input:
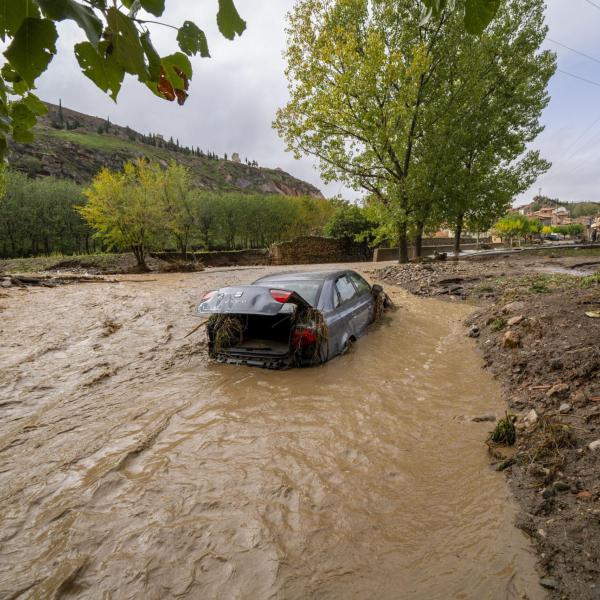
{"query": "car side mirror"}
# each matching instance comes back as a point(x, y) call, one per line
point(376, 289)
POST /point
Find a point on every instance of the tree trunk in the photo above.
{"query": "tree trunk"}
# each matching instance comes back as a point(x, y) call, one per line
point(140, 257)
point(458, 234)
point(419, 240)
point(478, 234)
point(403, 237)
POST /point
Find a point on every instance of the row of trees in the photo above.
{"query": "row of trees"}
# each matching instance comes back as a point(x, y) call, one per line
point(515, 226)
point(145, 207)
point(433, 123)
point(38, 216)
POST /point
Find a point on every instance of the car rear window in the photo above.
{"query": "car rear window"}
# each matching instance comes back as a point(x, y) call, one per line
point(308, 290)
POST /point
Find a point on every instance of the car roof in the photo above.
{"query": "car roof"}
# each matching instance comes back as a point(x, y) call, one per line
point(302, 276)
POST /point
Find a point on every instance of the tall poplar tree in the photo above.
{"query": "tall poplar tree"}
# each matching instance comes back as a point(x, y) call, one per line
point(401, 107)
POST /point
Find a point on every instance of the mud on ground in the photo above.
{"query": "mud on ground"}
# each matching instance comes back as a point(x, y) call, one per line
point(536, 338)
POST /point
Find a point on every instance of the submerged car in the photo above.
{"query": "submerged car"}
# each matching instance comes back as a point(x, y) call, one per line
point(290, 319)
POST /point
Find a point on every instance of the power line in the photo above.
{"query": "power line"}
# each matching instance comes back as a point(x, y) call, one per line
point(573, 50)
point(597, 84)
point(593, 4)
point(572, 146)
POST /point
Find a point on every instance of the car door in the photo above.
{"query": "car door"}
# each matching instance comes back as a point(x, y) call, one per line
point(364, 303)
point(341, 321)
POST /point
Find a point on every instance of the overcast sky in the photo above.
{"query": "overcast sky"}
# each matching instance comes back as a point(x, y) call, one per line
point(234, 95)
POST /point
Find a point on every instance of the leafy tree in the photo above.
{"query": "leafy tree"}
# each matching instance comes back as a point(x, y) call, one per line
point(175, 190)
point(38, 216)
point(569, 230)
point(429, 120)
point(358, 81)
point(350, 221)
point(118, 42)
point(477, 13)
point(126, 209)
point(476, 130)
point(535, 226)
point(513, 226)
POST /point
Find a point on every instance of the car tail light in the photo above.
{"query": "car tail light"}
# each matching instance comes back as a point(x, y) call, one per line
point(281, 295)
point(303, 336)
point(208, 296)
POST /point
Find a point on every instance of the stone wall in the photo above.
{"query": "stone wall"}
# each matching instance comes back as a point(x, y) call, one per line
point(225, 258)
point(312, 249)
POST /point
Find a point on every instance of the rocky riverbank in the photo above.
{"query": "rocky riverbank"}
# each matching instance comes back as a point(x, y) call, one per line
point(537, 327)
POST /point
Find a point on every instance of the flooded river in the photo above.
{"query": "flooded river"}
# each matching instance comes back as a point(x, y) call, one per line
point(132, 467)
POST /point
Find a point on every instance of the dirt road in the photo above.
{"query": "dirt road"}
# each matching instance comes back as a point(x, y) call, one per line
point(131, 466)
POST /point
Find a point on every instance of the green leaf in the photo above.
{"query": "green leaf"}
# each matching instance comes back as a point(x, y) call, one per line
point(35, 105)
point(5, 125)
point(9, 74)
point(479, 14)
point(84, 16)
point(20, 87)
point(152, 56)
point(182, 62)
point(228, 20)
point(32, 48)
point(156, 7)
point(23, 119)
point(192, 40)
point(101, 68)
point(125, 46)
point(12, 14)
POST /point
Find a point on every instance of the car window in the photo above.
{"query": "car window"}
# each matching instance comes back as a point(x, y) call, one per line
point(345, 289)
point(308, 290)
point(361, 285)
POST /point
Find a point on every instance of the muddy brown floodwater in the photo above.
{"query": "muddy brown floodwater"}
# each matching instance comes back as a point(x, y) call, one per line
point(132, 467)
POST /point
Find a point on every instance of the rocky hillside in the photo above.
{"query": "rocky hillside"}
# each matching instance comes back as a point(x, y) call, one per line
point(72, 145)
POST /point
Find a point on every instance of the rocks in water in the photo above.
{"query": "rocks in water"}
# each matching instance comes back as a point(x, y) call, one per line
point(564, 408)
point(511, 339)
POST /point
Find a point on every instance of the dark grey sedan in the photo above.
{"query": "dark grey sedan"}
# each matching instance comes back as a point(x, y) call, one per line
point(290, 319)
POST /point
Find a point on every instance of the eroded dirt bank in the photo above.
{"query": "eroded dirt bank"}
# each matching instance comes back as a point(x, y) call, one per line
point(130, 466)
point(538, 330)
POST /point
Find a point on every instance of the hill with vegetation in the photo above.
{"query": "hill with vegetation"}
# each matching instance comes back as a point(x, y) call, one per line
point(75, 146)
point(576, 209)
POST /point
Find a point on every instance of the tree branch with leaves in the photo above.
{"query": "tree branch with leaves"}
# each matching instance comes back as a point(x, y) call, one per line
point(118, 42)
